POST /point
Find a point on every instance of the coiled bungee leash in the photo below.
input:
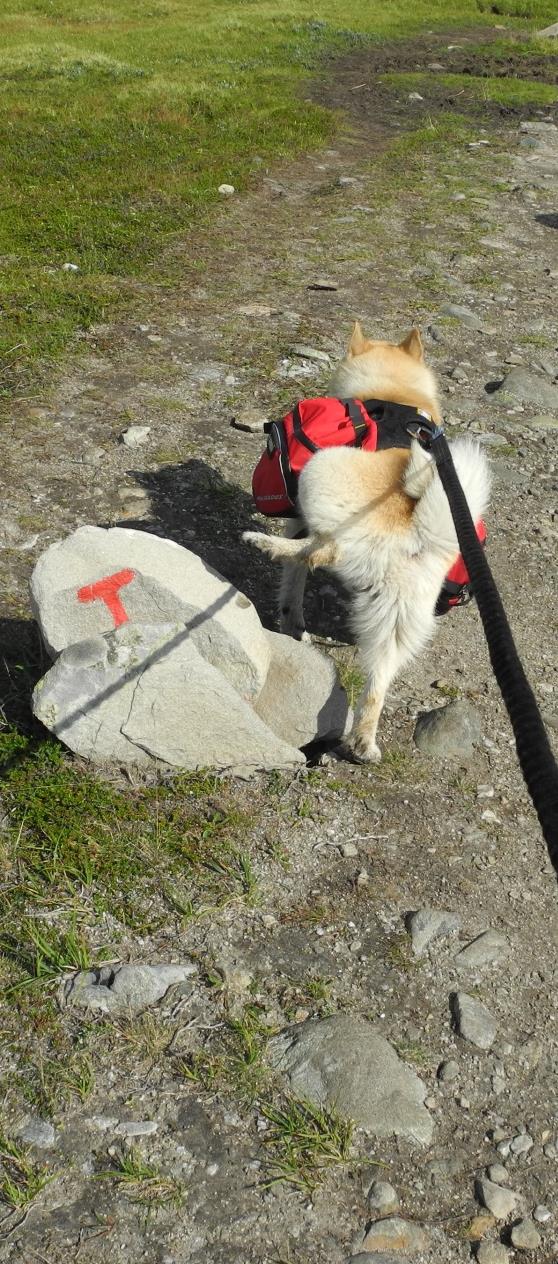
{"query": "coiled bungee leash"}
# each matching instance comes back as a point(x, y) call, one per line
point(534, 753)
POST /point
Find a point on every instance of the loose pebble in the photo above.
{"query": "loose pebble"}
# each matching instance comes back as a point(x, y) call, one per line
point(498, 1174)
point(226, 190)
point(525, 1237)
point(137, 1127)
point(382, 1197)
point(522, 1144)
point(542, 1214)
point(448, 1071)
point(501, 1202)
point(492, 1253)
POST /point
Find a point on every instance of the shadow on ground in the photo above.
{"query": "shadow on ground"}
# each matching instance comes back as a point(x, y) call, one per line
point(197, 507)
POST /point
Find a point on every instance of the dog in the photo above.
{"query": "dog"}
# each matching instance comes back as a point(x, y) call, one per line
point(381, 522)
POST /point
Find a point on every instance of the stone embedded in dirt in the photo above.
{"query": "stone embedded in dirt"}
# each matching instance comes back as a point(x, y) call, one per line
point(395, 1234)
point(323, 284)
point(39, 1133)
point(492, 1253)
point(302, 700)
point(542, 1214)
point(428, 924)
point(448, 732)
point(143, 694)
point(528, 388)
point(448, 1071)
point(522, 1143)
point(344, 1062)
point(249, 420)
point(466, 317)
point(123, 989)
point(501, 1202)
point(485, 949)
point(344, 182)
point(134, 436)
point(382, 1197)
point(96, 580)
point(415, 96)
point(543, 421)
point(525, 1236)
point(137, 1128)
point(474, 1021)
point(310, 353)
point(226, 190)
point(549, 32)
point(498, 1174)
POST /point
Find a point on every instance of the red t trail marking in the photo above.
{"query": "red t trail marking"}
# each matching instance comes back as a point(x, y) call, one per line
point(107, 590)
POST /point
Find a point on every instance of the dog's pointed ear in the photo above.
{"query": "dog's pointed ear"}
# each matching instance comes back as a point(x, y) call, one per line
point(412, 345)
point(358, 342)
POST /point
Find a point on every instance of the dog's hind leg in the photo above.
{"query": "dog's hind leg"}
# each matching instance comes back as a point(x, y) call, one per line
point(386, 643)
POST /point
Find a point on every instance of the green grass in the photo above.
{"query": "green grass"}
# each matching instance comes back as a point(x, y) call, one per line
point(20, 1179)
point(305, 1142)
point(77, 847)
point(142, 1182)
point(505, 91)
point(118, 124)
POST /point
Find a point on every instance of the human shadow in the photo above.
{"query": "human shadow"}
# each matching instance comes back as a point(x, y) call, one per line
point(196, 506)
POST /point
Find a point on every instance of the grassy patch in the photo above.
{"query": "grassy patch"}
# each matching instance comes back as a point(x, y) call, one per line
point(20, 1179)
point(508, 91)
point(305, 1142)
point(118, 126)
point(236, 1063)
point(142, 1182)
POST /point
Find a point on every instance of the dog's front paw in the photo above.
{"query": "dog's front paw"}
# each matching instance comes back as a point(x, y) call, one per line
point(289, 625)
point(254, 537)
point(363, 749)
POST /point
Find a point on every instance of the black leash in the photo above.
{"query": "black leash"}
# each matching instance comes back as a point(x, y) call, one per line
point(534, 753)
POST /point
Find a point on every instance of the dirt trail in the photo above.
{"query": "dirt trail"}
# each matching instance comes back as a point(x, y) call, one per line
point(470, 222)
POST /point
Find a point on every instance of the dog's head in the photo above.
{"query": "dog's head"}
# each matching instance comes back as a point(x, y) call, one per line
point(395, 372)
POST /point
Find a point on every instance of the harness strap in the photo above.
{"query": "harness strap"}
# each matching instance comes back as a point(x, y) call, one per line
point(534, 752)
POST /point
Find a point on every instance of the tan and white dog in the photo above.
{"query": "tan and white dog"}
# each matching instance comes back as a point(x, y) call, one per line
point(381, 521)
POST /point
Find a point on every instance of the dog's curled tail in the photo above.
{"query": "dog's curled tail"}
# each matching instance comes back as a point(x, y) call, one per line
point(432, 516)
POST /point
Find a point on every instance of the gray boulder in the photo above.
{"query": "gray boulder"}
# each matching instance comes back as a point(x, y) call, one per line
point(302, 699)
point(143, 693)
point(344, 1062)
point(448, 732)
point(97, 580)
point(528, 388)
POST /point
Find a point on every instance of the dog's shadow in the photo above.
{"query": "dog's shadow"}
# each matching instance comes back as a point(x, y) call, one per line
point(196, 506)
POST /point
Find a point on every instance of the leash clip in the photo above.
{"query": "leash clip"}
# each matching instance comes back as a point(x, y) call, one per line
point(425, 431)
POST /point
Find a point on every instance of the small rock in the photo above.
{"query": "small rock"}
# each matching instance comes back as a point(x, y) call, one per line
point(474, 1021)
point(226, 190)
point(448, 1071)
point(134, 436)
point(459, 375)
point(498, 1174)
point(503, 1149)
point(70, 267)
point(449, 731)
point(383, 1197)
point(395, 1234)
point(415, 96)
point(349, 850)
point(501, 1202)
point(39, 1133)
point(542, 1214)
point(345, 181)
point(525, 1237)
point(466, 317)
point(480, 1225)
point(137, 1128)
point(522, 1143)
point(102, 1123)
point(486, 948)
point(428, 924)
point(123, 989)
point(492, 1253)
point(250, 420)
point(322, 284)
point(435, 65)
point(310, 353)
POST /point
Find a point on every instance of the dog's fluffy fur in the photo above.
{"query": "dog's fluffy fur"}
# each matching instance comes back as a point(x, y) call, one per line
point(382, 522)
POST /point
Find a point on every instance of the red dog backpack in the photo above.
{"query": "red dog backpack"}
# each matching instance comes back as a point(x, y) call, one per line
point(327, 422)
